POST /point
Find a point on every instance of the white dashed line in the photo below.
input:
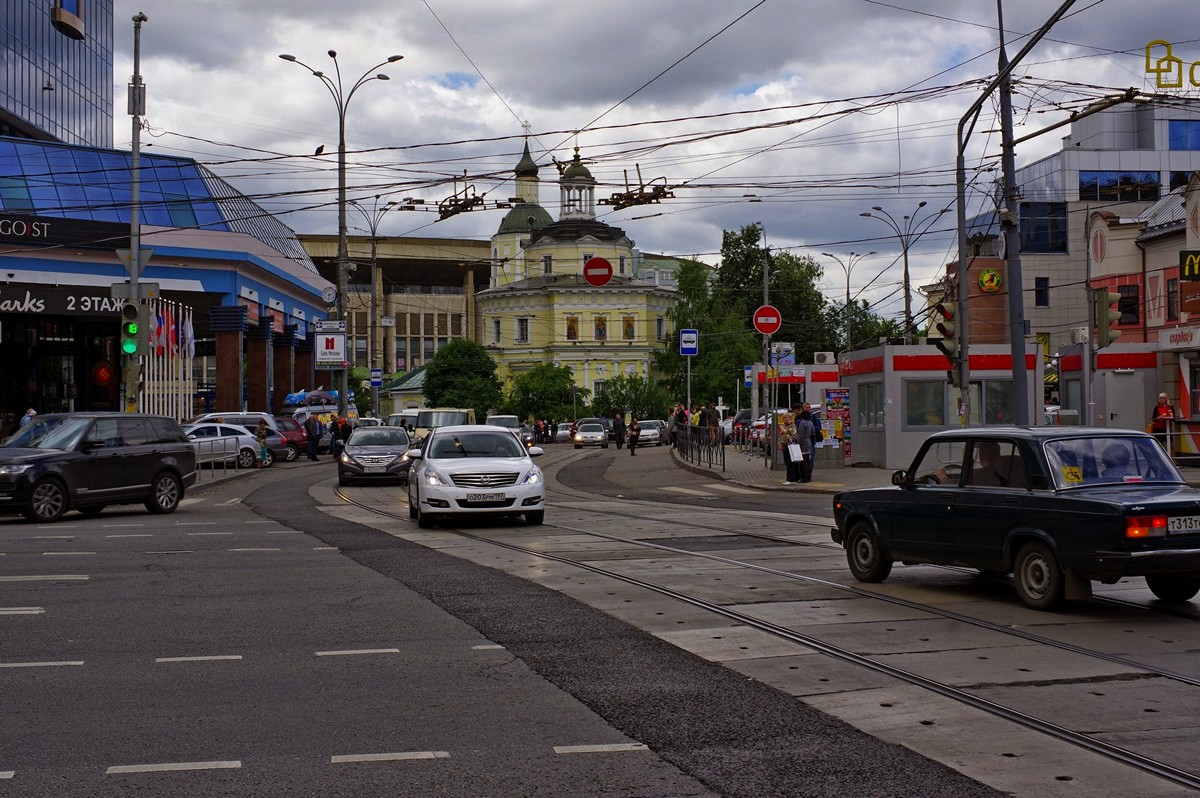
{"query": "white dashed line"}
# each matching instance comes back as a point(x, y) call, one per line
point(355, 652)
point(75, 663)
point(64, 553)
point(261, 521)
point(196, 523)
point(688, 491)
point(324, 548)
point(491, 647)
point(233, 501)
point(599, 749)
point(53, 578)
point(118, 769)
point(218, 658)
point(736, 489)
point(394, 757)
point(22, 610)
point(53, 537)
point(7, 774)
point(284, 532)
point(124, 526)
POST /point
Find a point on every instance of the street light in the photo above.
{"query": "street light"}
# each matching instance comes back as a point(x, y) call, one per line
point(341, 99)
point(373, 217)
point(909, 229)
point(847, 267)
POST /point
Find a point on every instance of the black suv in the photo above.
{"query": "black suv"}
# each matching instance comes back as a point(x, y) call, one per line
point(86, 461)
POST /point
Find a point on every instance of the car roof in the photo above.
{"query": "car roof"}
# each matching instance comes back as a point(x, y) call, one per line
point(460, 428)
point(1047, 432)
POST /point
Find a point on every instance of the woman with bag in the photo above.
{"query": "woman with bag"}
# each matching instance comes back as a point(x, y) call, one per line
point(791, 448)
point(635, 430)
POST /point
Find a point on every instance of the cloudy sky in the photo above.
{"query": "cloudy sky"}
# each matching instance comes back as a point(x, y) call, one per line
point(799, 114)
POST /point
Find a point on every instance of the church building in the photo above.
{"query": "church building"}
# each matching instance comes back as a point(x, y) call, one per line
point(539, 308)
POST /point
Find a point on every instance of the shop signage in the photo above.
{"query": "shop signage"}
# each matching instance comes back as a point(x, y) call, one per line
point(1181, 338)
point(990, 281)
point(37, 300)
point(1189, 265)
point(50, 231)
point(1168, 70)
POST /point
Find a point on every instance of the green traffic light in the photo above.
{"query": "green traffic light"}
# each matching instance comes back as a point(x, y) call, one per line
point(128, 346)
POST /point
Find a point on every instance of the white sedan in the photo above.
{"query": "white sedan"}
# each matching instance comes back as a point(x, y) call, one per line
point(231, 443)
point(474, 470)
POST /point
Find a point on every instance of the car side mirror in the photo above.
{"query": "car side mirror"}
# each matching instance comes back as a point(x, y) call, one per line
point(900, 478)
point(413, 454)
point(91, 443)
point(534, 451)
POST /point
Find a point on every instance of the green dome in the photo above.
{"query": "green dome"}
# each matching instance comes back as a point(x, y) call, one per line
point(576, 170)
point(525, 218)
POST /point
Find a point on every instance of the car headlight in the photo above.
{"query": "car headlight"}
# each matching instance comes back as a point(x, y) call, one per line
point(346, 458)
point(13, 470)
point(431, 477)
point(534, 477)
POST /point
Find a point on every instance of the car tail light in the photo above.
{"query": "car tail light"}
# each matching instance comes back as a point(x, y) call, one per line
point(1146, 526)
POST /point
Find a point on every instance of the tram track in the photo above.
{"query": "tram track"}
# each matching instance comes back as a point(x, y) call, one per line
point(1088, 742)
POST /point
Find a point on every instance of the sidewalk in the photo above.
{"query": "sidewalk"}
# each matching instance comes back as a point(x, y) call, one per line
point(751, 471)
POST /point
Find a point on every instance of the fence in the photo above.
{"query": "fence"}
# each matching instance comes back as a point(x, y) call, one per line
point(700, 446)
point(217, 453)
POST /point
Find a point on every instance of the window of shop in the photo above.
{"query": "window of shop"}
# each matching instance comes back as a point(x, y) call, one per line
point(925, 403)
point(998, 404)
point(870, 404)
point(1183, 134)
point(1119, 186)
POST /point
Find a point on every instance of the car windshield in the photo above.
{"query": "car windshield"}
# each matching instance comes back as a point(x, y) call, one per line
point(62, 432)
point(591, 428)
point(510, 422)
point(378, 436)
point(1077, 462)
point(476, 444)
point(427, 419)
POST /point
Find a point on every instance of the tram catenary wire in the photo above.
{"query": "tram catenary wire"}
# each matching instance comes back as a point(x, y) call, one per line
point(1099, 747)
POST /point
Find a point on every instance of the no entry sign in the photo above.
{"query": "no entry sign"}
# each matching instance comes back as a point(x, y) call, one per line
point(767, 320)
point(597, 271)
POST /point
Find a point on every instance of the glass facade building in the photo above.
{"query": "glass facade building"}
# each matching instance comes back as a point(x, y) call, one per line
point(56, 70)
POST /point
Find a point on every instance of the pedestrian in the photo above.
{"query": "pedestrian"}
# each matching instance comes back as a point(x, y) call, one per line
point(339, 435)
point(787, 439)
point(619, 429)
point(804, 437)
point(702, 423)
point(25, 419)
point(714, 425)
point(817, 435)
point(672, 422)
point(1158, 421)
point(261, 435)
point(313, 429)
point(635, 430)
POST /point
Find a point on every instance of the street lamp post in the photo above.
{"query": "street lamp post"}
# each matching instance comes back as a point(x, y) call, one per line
point(373, 217)
point(847, 267)
point(341, 99)
point(909, 229)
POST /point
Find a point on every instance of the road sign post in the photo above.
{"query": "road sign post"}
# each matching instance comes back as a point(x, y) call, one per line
point(689, 346)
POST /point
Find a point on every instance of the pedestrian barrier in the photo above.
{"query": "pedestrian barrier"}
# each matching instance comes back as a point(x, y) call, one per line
point(220, 452)
point(698, 445)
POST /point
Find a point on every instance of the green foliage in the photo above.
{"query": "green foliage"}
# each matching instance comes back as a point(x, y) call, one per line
point(543, 392)
point(632, 393)
point(462, 374)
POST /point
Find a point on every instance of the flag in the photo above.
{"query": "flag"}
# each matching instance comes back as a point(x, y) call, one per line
point(157, 337)
point(187, 339)
point(170, 336)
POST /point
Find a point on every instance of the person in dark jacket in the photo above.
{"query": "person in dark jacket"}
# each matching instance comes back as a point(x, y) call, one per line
point(635, 430)
point(619, 429)
point(313, 429)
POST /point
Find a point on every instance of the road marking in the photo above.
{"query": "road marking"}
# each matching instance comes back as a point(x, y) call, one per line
point(284, 531)
point(123, 526)
point(355, 652)
point(118, 769)
point(193, 500)
point(210, 534)
point(141, 535)
point(22, 610)
point(689, 491)
point(54, 578)
point(232, 501)
point(218, 658)
point(489, 647)
point(260, 549)
point(394, 757)
point(599, 749)
point(262, 521)
point(64, 553)
point(324, 548)
point(173, 551)
point(7, 774)
point(53, 537)
point(735, 489)
point(75, 663)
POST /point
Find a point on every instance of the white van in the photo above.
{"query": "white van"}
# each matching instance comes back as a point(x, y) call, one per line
point(405, 418)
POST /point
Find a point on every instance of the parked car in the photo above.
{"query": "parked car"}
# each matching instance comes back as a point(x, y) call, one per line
point(563, 433)
point(474, 470)
point(756, 429)
point(590, 433)
point(248, 419)
point(733, 429)
point(87, 461)
point(292, 432)
point(1057, 507)
point(233, 443)
point(374, 454)
point(430, 418)
point(654, 432)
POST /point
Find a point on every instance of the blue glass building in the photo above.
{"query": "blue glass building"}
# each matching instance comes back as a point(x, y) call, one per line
point(56, 80)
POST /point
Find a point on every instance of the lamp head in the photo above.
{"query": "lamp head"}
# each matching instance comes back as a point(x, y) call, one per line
point(287, 56)
point(877, 208)
point(922, 204)
point(382, 76)
point(332, 53)
point(864, 213)
point(394, 58)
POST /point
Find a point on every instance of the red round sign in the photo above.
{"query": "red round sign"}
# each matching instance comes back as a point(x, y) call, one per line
point(767, 320)
point(597, 271)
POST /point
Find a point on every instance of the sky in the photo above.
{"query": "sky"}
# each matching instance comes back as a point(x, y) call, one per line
point(796, 114)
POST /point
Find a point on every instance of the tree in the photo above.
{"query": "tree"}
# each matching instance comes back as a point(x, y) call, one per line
point(544, 392)
point(462, 374)
point(632, 393)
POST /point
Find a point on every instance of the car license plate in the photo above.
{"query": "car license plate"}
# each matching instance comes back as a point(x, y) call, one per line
point(1183, 523)
point(485, 497)
point(375, 469)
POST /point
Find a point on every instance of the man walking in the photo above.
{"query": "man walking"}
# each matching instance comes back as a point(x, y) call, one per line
point(618, 426)
point(312, 428)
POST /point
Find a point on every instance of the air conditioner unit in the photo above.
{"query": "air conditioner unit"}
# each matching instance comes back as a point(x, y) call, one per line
point(824, 359)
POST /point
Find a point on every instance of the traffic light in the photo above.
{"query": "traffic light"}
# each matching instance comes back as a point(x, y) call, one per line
point(135, 328)
point(1104, 315)
point(947, 344)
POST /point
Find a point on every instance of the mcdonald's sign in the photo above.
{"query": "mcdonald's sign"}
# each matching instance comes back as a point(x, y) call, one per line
point(1189, 265)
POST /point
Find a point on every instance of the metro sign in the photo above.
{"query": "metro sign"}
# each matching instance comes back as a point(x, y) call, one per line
point(767, 320)
point(330, 349)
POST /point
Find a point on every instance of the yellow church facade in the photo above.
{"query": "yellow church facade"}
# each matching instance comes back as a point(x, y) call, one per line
point(539, 308)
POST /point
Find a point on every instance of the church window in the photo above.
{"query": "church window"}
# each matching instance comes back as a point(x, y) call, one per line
point(495, 331)
point(522, 333)
point(547, 264)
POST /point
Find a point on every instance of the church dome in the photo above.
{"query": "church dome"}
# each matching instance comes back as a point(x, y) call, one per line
point(576, 170)
point(525, 217)
point(526, 166)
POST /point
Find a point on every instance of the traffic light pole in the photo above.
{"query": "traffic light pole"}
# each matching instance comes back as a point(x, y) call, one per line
point(131, 370)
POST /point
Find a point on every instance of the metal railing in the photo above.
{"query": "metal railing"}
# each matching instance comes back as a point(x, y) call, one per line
point(216, 453)
point(700, 445)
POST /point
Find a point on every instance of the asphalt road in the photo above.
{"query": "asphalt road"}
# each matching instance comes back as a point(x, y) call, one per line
point(252, 645)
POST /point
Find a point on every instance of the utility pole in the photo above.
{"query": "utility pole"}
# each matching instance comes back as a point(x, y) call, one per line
point(131, 368)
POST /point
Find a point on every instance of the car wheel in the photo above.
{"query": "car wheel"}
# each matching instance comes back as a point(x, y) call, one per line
point(342, 480)
point(269, 460)
point(1040, 581)
point(1173, 589)
point(247, 458)
point(91, 511)
point(535, 518)
point(165, 494)
point(47, 501)
point(293, 452)
point(425, 520)
point(412, 508)
point(604, 445)
point(579, 446)
point(864, 554)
